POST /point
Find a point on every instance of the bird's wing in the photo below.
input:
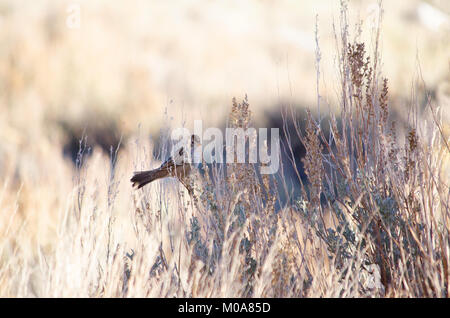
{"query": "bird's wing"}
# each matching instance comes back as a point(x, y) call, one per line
point(175, 160)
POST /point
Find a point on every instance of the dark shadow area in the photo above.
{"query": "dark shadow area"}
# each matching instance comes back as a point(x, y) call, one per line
point(93, 132)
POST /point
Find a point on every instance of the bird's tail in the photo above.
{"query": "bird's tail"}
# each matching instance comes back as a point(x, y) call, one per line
point(141, 178)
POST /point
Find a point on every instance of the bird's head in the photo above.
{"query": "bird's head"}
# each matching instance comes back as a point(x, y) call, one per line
point(195, 141)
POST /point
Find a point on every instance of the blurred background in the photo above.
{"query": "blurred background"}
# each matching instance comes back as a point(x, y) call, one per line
point(118, 70)
point(110, 69)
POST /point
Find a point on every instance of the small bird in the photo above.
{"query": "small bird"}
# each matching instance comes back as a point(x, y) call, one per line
point(175, 166)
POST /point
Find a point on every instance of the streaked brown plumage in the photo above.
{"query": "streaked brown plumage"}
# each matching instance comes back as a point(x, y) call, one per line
point(172, 167)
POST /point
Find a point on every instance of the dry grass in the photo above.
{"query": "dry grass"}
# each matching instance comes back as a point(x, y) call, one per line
point(372, 219)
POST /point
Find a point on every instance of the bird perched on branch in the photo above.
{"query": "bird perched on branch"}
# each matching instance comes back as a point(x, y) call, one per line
point(176, 166)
